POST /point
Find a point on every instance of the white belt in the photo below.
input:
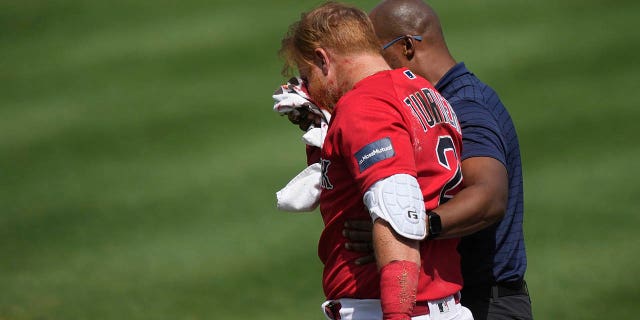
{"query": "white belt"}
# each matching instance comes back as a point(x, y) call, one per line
point(447, 308)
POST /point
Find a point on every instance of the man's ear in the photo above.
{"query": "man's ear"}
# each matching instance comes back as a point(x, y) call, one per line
point(321, 60)
point(409, 47)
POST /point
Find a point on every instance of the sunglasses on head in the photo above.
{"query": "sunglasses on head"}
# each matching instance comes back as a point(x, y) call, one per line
point(418, 38)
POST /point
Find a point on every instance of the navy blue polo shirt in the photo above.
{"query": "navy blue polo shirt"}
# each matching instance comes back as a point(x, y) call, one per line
point(497, 253)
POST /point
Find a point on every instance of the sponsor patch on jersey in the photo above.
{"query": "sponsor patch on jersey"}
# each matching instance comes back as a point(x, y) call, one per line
point(409, 74)
point(374, 152)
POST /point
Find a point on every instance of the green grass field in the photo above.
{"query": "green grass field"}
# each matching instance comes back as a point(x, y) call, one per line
point(139, 157)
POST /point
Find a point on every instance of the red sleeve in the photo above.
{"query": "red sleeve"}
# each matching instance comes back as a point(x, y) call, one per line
point(398, 289)
point(375, 140)
point(313, 155)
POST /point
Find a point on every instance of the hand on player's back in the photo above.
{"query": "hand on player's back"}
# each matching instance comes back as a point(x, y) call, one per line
point(359, 233)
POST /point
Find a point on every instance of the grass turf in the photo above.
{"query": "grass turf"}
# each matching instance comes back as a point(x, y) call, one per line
point(140, 158)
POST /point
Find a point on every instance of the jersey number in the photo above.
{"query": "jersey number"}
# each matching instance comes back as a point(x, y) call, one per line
point(445, 143)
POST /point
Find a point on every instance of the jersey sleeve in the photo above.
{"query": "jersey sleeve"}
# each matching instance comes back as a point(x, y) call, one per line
point(481, 136)
point(375, 142)
point(313, 155)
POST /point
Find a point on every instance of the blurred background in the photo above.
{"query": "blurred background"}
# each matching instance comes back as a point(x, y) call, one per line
point(139, 156)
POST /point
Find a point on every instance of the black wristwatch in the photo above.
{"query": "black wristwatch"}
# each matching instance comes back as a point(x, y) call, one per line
point(435, 225)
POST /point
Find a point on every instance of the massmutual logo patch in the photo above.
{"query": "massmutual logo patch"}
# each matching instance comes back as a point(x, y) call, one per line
point(374, 152)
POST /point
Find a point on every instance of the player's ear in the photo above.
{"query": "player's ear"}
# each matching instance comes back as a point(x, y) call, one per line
point(409, 47)
point(321, 60)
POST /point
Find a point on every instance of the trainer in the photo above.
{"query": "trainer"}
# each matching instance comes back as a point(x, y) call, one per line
point(488, 211)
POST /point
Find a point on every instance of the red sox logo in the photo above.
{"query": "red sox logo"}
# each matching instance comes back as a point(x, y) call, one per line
point(325, 183)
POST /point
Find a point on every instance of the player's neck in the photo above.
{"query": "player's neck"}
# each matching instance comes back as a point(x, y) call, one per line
point(356, 68)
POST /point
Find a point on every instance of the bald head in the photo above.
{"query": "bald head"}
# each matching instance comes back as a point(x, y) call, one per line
point(429, 57)
point(394, 18)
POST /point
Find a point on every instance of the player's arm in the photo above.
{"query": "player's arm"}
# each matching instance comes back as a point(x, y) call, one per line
point(380, 157)
point(397, 210)
point(399, 262)
point(483, 198)
point(481, 203)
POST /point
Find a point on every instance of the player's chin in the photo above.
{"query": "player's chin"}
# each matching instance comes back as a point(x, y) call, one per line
point(329, 100)
point(325, 95)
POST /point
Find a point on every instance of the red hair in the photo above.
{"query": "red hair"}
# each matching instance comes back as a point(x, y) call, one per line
point(336, 26)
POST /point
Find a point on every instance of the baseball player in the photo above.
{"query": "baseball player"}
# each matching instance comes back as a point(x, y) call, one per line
point(488, 211)
point(391, 154)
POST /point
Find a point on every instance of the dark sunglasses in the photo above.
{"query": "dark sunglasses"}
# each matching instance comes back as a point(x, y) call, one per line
point(419, 38)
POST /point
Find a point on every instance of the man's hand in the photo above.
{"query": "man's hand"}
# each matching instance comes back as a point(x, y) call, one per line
point(359, 233)
point(293, 100)
point(304, 118)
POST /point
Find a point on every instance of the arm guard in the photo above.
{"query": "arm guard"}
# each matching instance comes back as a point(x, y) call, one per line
point(398, 200)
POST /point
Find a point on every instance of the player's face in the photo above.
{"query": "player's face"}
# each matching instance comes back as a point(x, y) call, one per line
point(319, 86)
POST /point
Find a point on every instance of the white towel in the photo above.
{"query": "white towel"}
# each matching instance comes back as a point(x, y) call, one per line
point(315, 136)
point(302, 193)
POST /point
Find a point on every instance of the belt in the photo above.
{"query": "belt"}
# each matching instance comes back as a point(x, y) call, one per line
point(332, 308)
point(422, 307)
point(500, 289)
point(512, 288)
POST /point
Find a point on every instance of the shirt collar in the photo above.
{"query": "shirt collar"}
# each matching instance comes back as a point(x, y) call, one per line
point(457, 70)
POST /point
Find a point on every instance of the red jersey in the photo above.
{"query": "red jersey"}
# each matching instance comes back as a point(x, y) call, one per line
point(392, 122)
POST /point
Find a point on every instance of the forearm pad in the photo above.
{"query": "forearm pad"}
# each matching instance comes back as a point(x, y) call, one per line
point(398, 288)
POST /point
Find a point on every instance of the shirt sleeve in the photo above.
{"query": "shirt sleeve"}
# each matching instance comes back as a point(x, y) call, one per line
point(481, 134)
point(313, 155)
point(375, 142)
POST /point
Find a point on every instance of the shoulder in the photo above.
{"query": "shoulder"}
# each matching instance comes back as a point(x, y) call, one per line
point(473, 100)
point(469, 88)
point(375, 92)
point(460, 85)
